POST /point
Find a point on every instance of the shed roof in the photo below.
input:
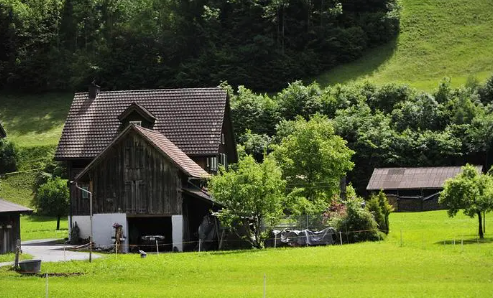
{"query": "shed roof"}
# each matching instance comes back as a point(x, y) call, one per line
point(190, 118)
point(3, 134)
point(6, 206)
point(162, 144)
point(412, 178)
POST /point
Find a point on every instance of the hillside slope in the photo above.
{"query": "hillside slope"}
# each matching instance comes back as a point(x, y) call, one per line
point(438, 38)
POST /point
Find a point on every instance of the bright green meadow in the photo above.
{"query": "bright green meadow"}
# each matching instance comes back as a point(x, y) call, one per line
point(422, 267)
point(438, 38)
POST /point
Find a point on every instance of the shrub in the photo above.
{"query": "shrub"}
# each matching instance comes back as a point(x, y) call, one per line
point(358, 224)
point(8, 157)
point(373, 206)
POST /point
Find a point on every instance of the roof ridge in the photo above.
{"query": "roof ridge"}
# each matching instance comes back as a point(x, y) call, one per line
point(157, 89)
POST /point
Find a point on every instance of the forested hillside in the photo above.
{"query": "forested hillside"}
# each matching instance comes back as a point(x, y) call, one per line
point(387, 126)
point(127, 44)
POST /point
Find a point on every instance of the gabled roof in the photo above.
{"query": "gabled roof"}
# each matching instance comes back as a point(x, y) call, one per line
point(3, 134)
point(6, 206)
point(162, 144)
point(412, 178)
point(190, 118)
point(139, 109)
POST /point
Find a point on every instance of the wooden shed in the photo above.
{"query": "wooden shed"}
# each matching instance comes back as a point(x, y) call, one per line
point(10, 227)
point(413, 189)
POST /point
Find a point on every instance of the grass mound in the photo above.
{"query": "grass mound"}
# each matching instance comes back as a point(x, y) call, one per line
point(18, 187)
point(438, 38)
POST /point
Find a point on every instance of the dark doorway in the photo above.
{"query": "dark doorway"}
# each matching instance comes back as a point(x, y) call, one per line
point(146, 226)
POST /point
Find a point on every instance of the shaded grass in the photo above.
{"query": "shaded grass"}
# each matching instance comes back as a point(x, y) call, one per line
point(34, 119)
point(42, 227)
point(438, 38)
point(380, 269)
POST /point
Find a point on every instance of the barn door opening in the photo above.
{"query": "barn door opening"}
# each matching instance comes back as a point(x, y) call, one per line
point(140, 227)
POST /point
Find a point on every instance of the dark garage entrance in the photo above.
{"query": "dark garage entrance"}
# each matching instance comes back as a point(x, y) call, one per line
point(144, 226)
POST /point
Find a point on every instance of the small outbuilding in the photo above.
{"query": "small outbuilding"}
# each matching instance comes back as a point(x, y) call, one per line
point(413, 189)
point(10, 227)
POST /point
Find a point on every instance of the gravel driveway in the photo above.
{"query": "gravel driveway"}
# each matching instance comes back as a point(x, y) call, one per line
point(47, 250)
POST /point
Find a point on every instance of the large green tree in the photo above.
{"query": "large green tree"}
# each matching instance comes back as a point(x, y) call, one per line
point(52, 198)
point(313, 160)
point(471, 191)
point(252, 196)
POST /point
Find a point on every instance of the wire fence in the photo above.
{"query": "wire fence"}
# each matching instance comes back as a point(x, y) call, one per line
point(399, 238)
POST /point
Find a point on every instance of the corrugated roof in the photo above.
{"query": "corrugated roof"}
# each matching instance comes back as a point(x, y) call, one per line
point(190, 118)
point(6, 206)
point(412, 178)
point(162, 144)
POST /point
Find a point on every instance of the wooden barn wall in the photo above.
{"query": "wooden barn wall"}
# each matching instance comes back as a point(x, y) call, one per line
point(136, 179)
point(9, 236)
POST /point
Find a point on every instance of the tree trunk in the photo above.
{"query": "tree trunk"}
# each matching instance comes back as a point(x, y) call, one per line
point(481, 236)
point(58, 222)
point(484, 222)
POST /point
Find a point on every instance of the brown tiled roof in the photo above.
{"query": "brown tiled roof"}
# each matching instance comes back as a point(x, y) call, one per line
point(412, 178)
point(6, 206)
point(3, 134)
point(191, 118)
point(162, 144)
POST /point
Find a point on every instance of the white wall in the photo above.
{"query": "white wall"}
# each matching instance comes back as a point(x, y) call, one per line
point(102, 228)
point(177, 225)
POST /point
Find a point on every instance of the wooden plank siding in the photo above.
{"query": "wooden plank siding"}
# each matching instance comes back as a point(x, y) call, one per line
point(135, 179)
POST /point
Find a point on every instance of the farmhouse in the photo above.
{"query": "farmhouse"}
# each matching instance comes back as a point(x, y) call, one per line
point(10, 228)
point(412, 189)
point(144, 157)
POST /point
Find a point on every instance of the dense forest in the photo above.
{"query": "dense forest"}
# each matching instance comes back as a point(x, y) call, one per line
point(388, 126)
point(126, 44)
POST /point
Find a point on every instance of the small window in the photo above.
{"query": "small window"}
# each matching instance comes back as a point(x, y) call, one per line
point(212, 163)
point(85, 194)
point(223, 159)
point(223, 139)
point(138, 123)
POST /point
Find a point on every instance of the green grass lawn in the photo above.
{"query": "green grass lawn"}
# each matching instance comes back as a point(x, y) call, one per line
point(42, 227)
point(36, 119)
point(422, 267)
point(11, 257)
point(438, 38)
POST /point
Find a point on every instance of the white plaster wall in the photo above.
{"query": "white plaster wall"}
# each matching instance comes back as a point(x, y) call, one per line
point(102, 225)
point(84, 224)
point(177, 225)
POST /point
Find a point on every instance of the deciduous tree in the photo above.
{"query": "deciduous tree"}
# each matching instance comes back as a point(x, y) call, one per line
point(252, 196)
point(471, 191)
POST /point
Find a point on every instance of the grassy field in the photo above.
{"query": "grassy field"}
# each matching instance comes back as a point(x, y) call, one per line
point(42, 227)
point(438, 38)
point(11, 257)
point(34, 120)
point(18, 188)
point(422, 267)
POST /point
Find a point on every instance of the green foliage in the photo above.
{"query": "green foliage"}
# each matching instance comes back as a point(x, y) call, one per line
point(471, 191)
point(313, 160)
point(52, 44)
point(359, 223)
point(8, 156)
point(252, 196)
point(52, 198)
point(373, 205)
